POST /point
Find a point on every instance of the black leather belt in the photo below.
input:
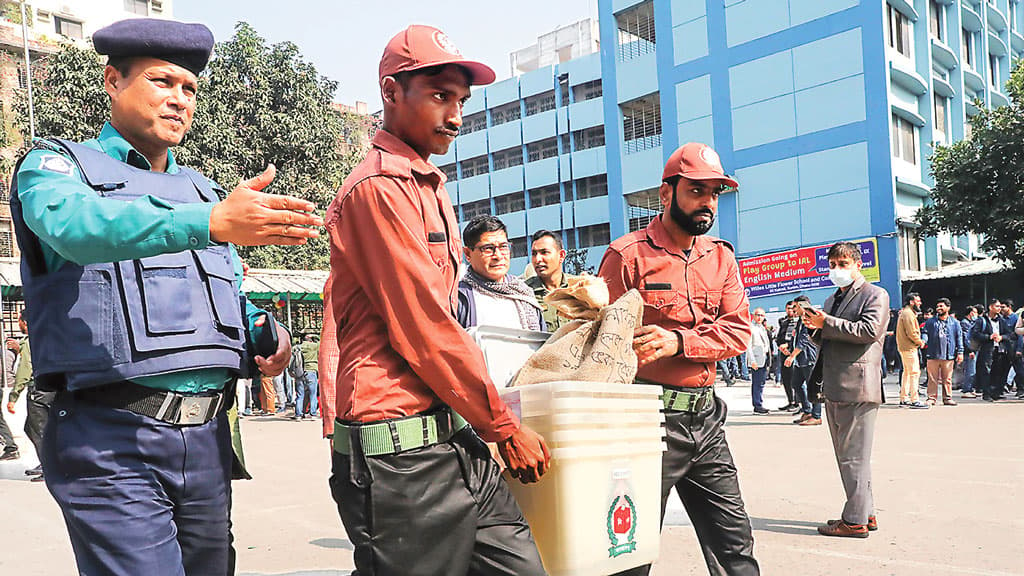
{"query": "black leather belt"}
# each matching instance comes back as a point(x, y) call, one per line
point(170, 407)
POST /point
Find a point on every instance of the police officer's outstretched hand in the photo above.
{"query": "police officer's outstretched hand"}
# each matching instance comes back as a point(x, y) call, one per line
point(248, 217)
point(526, 455)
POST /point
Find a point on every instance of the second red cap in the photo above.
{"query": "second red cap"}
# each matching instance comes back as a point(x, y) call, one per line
point(419, 47)
point(696, 161)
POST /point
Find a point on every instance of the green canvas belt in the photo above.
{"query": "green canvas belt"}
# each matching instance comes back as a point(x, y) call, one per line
point(397, 435)
point(692, 401)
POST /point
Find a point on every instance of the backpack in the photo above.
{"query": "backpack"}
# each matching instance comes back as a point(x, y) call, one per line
point(297, 366)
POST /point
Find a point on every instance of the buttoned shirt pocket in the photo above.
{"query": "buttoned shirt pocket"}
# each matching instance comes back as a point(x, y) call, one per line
point(661, 305)
point(437, 244)
point(711, 302)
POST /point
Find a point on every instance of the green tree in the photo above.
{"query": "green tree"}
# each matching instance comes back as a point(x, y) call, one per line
point(258, 104)
point(979, 182)
point(576, 262)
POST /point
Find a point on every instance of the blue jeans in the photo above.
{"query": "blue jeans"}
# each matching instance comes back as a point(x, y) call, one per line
point(305, 388)
point(757, 378)
point(970, 367)
point(744, 370)
point(777, 366)
point(800, 376)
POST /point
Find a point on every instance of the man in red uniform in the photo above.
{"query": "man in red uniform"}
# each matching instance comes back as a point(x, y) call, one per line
point(416, 488)
point(695, 313)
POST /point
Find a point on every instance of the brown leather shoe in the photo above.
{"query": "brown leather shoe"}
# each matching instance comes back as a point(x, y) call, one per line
point(872, 523)
point(843, 530)
point(812, 421)
point(803, 416)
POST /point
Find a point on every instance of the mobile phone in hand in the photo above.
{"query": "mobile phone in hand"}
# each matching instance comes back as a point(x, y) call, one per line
point(266, 337)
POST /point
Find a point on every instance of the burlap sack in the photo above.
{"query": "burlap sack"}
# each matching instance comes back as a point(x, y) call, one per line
point(582, 298)
point(599, 350)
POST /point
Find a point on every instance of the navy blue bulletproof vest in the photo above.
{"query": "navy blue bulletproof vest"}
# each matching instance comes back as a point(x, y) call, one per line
point(101, 323)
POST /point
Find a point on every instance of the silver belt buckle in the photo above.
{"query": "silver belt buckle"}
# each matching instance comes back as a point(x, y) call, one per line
point(193, 409)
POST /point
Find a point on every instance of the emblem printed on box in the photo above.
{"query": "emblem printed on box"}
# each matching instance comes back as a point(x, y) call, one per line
point(621, 517)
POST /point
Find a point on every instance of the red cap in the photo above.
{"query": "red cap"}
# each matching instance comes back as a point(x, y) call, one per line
point(419, 47)
point(696, 161)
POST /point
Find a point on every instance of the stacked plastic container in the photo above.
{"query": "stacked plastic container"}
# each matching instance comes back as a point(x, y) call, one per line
point(597, 511)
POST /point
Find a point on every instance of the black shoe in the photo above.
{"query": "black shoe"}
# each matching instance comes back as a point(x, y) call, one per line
point(34, 471)
point(761, 410)
point(10, 455)
point(38, 479)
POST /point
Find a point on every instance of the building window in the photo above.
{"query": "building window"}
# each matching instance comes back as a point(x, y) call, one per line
point(993, 71)
point(519, 247)
point(140, 7)
point(636, 31)
point(587, 91)
point(449, 171)
point(540, 150)
point(473, 123)
point(570, 239)
point(641, 123)
point(589, 137)
point(565, 144)
point(897, 31)
point(935, 19)
point(508, 158)
point(940, 114)
point(563, 88)
point(968, 128)
point(642, 207)
point(967, 47)
point(6, 240)
point(910, 248)
point(904, 139)
point(515, 202)
point(540, 103)
point(471, 210)
point(5, 195)
point(474, 166)
point(69, 28)
point(505, 113)
point(545, 196)
point(592, 187)
point(596, 235)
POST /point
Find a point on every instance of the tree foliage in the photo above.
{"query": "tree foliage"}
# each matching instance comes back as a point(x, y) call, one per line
point(979, 182)
point(258, 104)
point(576, 262)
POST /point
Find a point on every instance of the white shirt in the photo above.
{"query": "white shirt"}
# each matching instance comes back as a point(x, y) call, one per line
point(499, 312)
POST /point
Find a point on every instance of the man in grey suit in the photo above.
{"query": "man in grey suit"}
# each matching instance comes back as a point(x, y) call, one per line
point(849, 369)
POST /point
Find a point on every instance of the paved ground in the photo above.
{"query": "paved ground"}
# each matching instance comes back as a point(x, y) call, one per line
point(947, 486)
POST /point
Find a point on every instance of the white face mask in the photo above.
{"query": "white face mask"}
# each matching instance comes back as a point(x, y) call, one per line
point(841, 277)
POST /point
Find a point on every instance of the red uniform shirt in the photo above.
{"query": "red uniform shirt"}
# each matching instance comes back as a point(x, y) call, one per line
point(395, 254)
point(698, 296)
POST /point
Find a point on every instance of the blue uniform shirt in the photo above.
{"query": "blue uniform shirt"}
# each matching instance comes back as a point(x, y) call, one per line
point(76, 224)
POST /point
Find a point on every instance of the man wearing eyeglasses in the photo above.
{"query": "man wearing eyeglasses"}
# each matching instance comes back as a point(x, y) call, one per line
point(488, 294)
point(695, 314)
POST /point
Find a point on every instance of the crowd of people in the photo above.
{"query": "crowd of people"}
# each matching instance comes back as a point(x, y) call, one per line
point(978, 353)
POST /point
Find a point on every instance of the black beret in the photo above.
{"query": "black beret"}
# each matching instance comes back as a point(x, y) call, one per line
point(181, 43)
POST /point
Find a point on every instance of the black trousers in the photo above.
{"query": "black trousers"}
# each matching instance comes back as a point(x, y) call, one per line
point(5, 432)
point(38, 403)
point(992, 370)
point(787, 384)
point(700, 467)
point(442, 510)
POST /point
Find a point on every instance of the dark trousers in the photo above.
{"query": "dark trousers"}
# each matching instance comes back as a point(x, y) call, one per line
point(992, 370)
point(787, 383)
point(139, 496)
point(38, 403)
point(442, 510)
point(5, 433)
point(807, 404)
point(699, 465)
point(757, 378)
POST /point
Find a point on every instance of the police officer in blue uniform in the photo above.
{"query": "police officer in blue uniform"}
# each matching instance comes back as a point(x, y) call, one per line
point(136, 316)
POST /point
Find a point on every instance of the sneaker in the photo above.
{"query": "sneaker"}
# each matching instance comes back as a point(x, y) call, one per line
point(968, 395)
point(10, 455)
point(904, 403)
point(919, 405)
point(34, 471)
point(794, 409)
point(38, 479)
point(949, 402)
point(812, 421)
point(761, 410)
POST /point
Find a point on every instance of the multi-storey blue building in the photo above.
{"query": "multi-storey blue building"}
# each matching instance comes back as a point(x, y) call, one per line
point(825, 110)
